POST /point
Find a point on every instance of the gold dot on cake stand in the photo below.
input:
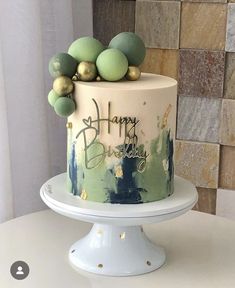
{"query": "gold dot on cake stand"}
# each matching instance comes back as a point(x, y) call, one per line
point(100, 232)
point(148, 263)
point(123, 235)
point(100, 265)
point(69, 125)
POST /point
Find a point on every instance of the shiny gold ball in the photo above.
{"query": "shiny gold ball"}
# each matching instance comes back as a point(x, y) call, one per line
point(86, 71)
point(69, 125)
point(75, 77)
point(98, 78)
point(63, 85)
point(133, 73)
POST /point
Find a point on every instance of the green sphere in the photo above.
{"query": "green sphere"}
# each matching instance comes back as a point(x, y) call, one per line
point(112, 64)
point(52, 97)
point(86, 49)
point(131, 45)
point(62, 64)
point(64, 106)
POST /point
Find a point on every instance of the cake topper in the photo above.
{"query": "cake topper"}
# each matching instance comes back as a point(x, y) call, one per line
point(88, 60)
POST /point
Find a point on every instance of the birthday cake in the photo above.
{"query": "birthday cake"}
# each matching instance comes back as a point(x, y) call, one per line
point(120, 133)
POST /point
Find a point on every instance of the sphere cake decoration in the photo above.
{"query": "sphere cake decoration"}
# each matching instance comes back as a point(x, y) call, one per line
point(133, 73)
point(64, 106)
point(89, 60)
point(131, 45)
point(86, 49)
point(112, 64)
point(63, 85)
point(52, 97)
point(86, 71)
point(62, 64)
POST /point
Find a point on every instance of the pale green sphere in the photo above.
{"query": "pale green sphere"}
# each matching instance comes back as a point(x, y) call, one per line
point(64, 106)
point(112, 64)
point(86, 49)
point(131, 45)
point(62, 64)
point(52, 97)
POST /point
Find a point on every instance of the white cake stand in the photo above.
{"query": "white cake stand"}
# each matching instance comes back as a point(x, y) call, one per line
point(117, 244)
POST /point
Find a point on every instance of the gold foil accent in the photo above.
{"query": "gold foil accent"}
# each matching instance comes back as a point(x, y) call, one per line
point(84, 194)
point(165, 116)
point(118, 172)
point(100, 265)
point(123, 235)
point(148, 263)
point(69, 125)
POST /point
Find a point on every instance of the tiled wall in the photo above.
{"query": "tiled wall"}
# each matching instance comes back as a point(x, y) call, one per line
point(192, 41)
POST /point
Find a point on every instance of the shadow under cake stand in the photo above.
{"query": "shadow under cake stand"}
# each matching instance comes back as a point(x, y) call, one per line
point(117, 244)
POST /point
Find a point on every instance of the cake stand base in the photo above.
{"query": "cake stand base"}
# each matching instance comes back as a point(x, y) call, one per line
point(116, 251)
point(117, 245)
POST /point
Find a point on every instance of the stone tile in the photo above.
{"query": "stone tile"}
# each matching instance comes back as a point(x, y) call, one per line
point(229, 82)
point(158, 23)
point(230, 33)
point(197, 162)
point(203, 26)
point(227, 128)
point(111, 17)
point(225, 203)
point(201, 73)
point(155, 0)
point(161, 61)
point(198, 119)
point(206, 200)
point(227, 167)
point(207, 1)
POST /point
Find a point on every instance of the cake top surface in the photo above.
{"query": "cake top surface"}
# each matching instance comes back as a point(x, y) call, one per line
point(147, 81)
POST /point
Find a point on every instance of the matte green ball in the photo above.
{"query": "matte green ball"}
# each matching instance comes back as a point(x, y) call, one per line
point(131, 45)
point(52, 97)
point(62, 64)
point(112, 64)
point(86, 49)
point(64, 106)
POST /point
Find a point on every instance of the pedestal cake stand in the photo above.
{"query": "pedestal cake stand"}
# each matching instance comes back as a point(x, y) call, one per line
point(117, 244)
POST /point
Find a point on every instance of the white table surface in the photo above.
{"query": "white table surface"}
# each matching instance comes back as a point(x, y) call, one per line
point(200, 252)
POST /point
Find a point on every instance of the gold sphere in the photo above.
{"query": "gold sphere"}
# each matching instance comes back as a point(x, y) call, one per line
point(63, 85)
point(133, 73)
point(69, 125)
point(98, 78)
point(86, 71)
point(75, 77)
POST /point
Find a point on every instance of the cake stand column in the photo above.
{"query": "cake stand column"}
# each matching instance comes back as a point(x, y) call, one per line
point(116, 251)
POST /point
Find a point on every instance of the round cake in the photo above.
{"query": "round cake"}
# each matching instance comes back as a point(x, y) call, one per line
point(120, 140)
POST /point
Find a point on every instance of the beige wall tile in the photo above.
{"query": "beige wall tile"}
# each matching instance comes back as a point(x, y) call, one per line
point(206, 200)
point(111, 17)
point(203, 25)
point(230, 33)
point(198, 119)
point(227, 167)
point(227, 127)
point(229, 82)
point(158, 23)
point(225, 203)
point(197, 162)
point(161, 61)
point(207, 1)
